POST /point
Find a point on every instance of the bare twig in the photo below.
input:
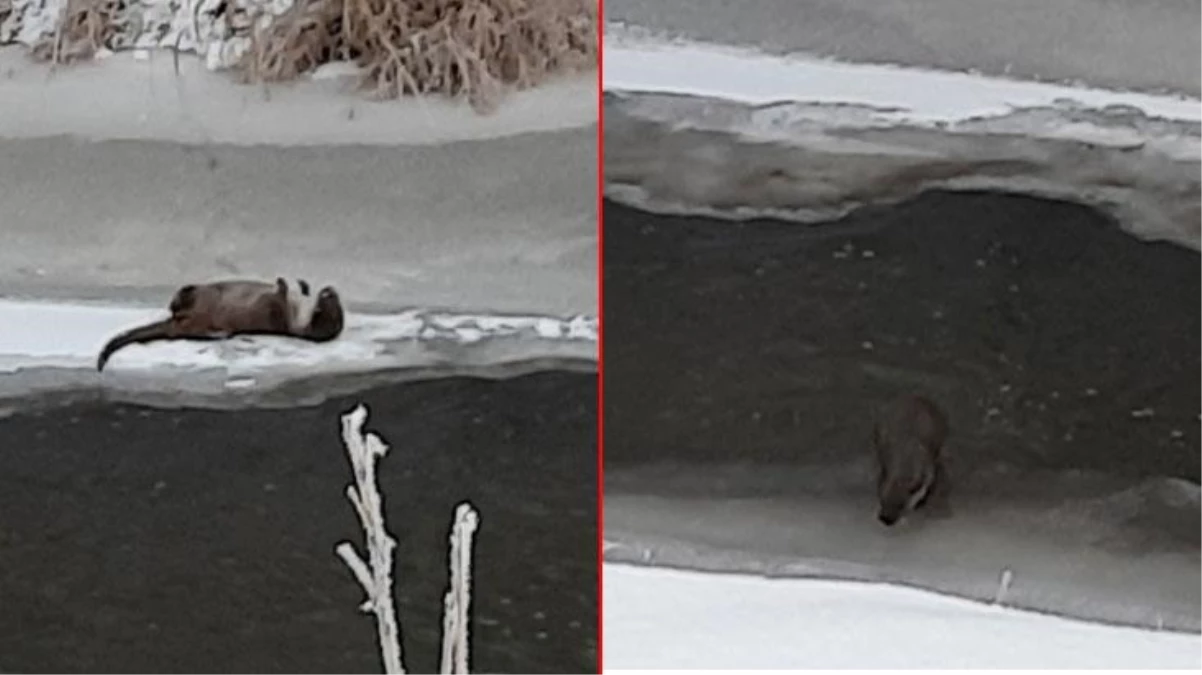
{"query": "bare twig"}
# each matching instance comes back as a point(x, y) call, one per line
point(458, 598)
point(376, 579)
point(1004, 581)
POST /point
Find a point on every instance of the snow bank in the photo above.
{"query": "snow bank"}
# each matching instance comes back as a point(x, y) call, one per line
point(666, 619)
point(704, 128)
point(196, 26)
point(40, 334)
point(1087, 544)
point(890, 94)
point(129, 98)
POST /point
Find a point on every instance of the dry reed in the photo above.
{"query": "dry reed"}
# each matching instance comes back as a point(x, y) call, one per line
point(475, 49)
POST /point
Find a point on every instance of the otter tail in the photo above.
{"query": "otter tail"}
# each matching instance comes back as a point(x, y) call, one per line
point(159, 330)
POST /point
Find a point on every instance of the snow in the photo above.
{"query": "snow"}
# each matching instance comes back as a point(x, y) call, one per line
point(39, 334)
point(670, 619)
point(640, 64)
point(196, 26)
point(878, 133)
point(146, 99)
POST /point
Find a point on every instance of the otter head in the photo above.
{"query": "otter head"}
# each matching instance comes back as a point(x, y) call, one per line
point(328, 318)
point(897, 495)
point(890, 511)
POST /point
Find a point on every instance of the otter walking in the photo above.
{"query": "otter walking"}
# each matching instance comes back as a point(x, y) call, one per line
point(908, 438)
point(222, 309)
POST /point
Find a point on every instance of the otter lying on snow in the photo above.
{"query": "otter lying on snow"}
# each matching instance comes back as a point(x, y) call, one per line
point(908, 437)
point(222, 309)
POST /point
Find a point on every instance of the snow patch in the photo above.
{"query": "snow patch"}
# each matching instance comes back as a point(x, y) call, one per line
point(132, 99)
point(197, 26)
point(888, 94)
point(668, 619)
point(71, 335)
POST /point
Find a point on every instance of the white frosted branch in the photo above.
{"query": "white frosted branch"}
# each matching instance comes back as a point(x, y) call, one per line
point(375, 576)
point(458, 597)
point(348, 554)
point(361, 511)
point(1004, 581)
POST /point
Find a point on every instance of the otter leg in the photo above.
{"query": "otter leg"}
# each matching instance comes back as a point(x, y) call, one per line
point(924, 493)
point(279, 315)
point(938, 498)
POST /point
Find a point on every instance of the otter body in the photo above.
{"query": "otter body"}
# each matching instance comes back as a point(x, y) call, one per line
point(908, 438)
point(223, 309)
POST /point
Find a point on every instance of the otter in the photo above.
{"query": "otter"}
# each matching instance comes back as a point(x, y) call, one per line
point(301, 302)
point(908, 437)
point(222, 309)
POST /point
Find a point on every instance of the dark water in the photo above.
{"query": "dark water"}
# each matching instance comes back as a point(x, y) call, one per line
point(136, 539)
point(1039, 326)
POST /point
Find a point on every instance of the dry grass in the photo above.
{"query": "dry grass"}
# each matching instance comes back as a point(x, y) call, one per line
point(85, 27)
point(470, 48)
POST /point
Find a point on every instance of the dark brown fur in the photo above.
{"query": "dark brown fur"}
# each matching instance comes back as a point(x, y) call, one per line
point(908, 437)
point(222, 309)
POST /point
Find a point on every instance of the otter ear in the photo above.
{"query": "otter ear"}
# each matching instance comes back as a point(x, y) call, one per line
point(281, 285)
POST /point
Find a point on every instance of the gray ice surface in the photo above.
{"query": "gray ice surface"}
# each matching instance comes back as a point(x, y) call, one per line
point(1145, 45)
point(1079, 544)
point(686, 154)
point(489, 225)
